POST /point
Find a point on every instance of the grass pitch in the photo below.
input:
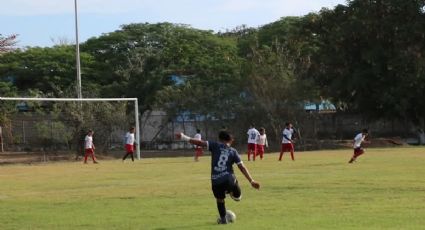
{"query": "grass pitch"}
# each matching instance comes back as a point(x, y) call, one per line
point(385, 189)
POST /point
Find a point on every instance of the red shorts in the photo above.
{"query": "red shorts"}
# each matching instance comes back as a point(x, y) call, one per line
point(287, 147)
point(129, 148)
point(358, 151)
point(89, 151)
point(260, 149)
point(252, 146)
point(198, 150)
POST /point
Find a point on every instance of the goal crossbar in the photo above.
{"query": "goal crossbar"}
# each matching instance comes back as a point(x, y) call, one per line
point(135, 100)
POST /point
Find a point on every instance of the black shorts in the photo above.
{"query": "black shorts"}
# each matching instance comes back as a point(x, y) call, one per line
point(229, 186)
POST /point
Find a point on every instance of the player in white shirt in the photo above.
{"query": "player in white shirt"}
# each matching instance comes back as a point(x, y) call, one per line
point(198, 149)
point(287, 141)
point(253, 136)
point(261, 143)
point(129, 144)
point(357, 144)
point(89, 147)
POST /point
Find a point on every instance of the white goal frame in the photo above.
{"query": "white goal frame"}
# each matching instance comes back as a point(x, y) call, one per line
point(136, 109)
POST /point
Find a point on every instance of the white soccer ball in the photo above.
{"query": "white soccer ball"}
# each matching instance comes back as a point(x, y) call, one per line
point(230, 216)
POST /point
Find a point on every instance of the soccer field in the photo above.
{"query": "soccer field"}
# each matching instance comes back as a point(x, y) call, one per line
point(384, 189)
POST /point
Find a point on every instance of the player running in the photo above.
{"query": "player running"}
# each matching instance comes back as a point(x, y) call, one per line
point(89, 147)
point(357, 144)
point(253, 136)
point(223, 179)
point(129, 144)
point(287, 141)
point(198, 149)
point(261, 143)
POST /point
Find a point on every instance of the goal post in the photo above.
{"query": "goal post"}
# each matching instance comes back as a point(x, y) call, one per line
point(135, 100)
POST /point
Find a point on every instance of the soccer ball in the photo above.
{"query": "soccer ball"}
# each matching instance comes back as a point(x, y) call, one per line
point(230, 216)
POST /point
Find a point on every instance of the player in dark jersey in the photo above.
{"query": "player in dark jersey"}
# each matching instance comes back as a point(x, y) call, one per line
point(223, 179)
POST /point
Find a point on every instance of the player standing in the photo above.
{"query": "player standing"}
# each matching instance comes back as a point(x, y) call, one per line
point(253, 135)
point(261, 143)
point(129, 144)
point(287, 142)
point(89, 147)
point(223, 179)
point(357, 144)
point(198, 149)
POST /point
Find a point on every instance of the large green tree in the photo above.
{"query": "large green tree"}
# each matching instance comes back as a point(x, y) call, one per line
point(370, 57)
point(166, 65)
point(50, 70)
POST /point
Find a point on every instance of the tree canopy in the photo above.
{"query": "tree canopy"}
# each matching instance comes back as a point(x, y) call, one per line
point(367, 57)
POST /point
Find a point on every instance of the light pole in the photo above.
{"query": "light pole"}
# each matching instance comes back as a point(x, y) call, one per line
point(77, 53)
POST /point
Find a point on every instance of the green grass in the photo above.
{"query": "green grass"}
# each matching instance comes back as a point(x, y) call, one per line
point(385, 189)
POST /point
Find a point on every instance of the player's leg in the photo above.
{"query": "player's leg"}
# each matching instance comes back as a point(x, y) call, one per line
point(93, 156)
point(255, 152)
point(249, 152)
point(221, 206)
point(89, 152)
point(282, 150)
point(219, 194)
point(86, 154)
point(353, 157)
point(292, 152)
point(357, 153)
point(129, 152)
point(260, 150)
point(198, 153)
point(235, 190)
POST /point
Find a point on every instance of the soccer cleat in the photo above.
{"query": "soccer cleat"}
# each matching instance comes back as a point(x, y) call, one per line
point(221, 220)
point(234, 197)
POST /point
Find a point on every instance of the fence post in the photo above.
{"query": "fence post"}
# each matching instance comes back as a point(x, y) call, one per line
point(1, 140)
point(23, 132)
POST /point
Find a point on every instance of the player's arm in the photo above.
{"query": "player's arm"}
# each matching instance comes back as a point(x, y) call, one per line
point(248, 176)
point(181, 136)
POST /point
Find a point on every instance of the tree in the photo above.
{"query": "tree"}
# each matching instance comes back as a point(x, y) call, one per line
point(148, 58)
point(50, 70)
point(274, 92)
point(370, 58)
point(7, 43)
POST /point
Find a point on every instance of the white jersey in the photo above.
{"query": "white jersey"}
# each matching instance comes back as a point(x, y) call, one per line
point(262, 140)
point(358, 140)
point(129, 138)
point(287, 134)
point(253, 135)
point(88, 142)
point(197, 137)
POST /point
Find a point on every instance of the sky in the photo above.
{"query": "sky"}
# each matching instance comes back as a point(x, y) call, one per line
point(46, 22)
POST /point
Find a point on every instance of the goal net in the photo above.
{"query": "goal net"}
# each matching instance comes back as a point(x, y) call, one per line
point(60, 124)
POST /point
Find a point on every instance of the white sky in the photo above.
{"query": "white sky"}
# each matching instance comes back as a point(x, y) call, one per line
point(39, 21)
